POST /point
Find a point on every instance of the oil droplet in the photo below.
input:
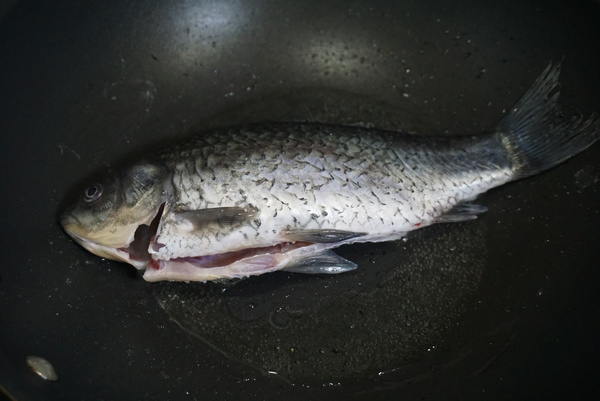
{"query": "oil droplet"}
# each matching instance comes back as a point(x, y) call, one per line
point(42, 367)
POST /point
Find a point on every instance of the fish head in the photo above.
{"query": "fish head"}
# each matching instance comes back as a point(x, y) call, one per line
point(106, 216)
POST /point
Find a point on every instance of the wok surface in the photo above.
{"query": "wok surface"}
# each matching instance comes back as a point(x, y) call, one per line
point(502, 307)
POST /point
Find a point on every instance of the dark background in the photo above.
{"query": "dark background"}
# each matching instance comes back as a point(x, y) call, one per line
point(504, 307)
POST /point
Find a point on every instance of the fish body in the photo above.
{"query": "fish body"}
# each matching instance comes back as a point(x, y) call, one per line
point(248, 200)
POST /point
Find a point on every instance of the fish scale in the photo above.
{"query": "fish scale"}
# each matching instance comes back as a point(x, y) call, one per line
point(364, 180)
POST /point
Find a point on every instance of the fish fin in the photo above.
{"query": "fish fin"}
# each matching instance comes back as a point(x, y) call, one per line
point(324, 236)
point(218, 216)
point(535, 136)
point(461, 212)
point(324, 262)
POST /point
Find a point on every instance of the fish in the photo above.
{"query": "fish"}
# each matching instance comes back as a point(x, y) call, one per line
point(252, 199)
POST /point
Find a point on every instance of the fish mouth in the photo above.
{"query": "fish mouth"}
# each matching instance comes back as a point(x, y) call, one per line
point(97, 249)
point(135, 248)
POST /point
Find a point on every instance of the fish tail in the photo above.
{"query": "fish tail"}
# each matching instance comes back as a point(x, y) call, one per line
point(535, 135)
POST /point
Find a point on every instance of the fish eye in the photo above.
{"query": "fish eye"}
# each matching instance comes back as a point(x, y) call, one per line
point(93, 193)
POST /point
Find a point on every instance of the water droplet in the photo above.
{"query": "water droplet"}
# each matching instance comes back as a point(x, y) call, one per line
point(280, 318)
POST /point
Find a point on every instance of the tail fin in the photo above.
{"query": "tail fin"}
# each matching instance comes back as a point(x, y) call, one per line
point(534, 134)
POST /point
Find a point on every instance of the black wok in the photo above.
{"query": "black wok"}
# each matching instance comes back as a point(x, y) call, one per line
point(504, 307)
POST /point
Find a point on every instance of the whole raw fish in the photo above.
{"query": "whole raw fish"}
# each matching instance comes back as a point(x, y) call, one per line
point(255, 199)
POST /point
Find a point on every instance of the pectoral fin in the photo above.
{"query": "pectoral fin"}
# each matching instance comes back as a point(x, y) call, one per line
point(320, 236)
point(218, 216)
point(324, 262)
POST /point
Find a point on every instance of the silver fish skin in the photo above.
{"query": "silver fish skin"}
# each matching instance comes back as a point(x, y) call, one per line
point(248, 200)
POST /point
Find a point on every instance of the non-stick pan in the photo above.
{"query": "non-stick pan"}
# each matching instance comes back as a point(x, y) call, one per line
point(503, 307)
